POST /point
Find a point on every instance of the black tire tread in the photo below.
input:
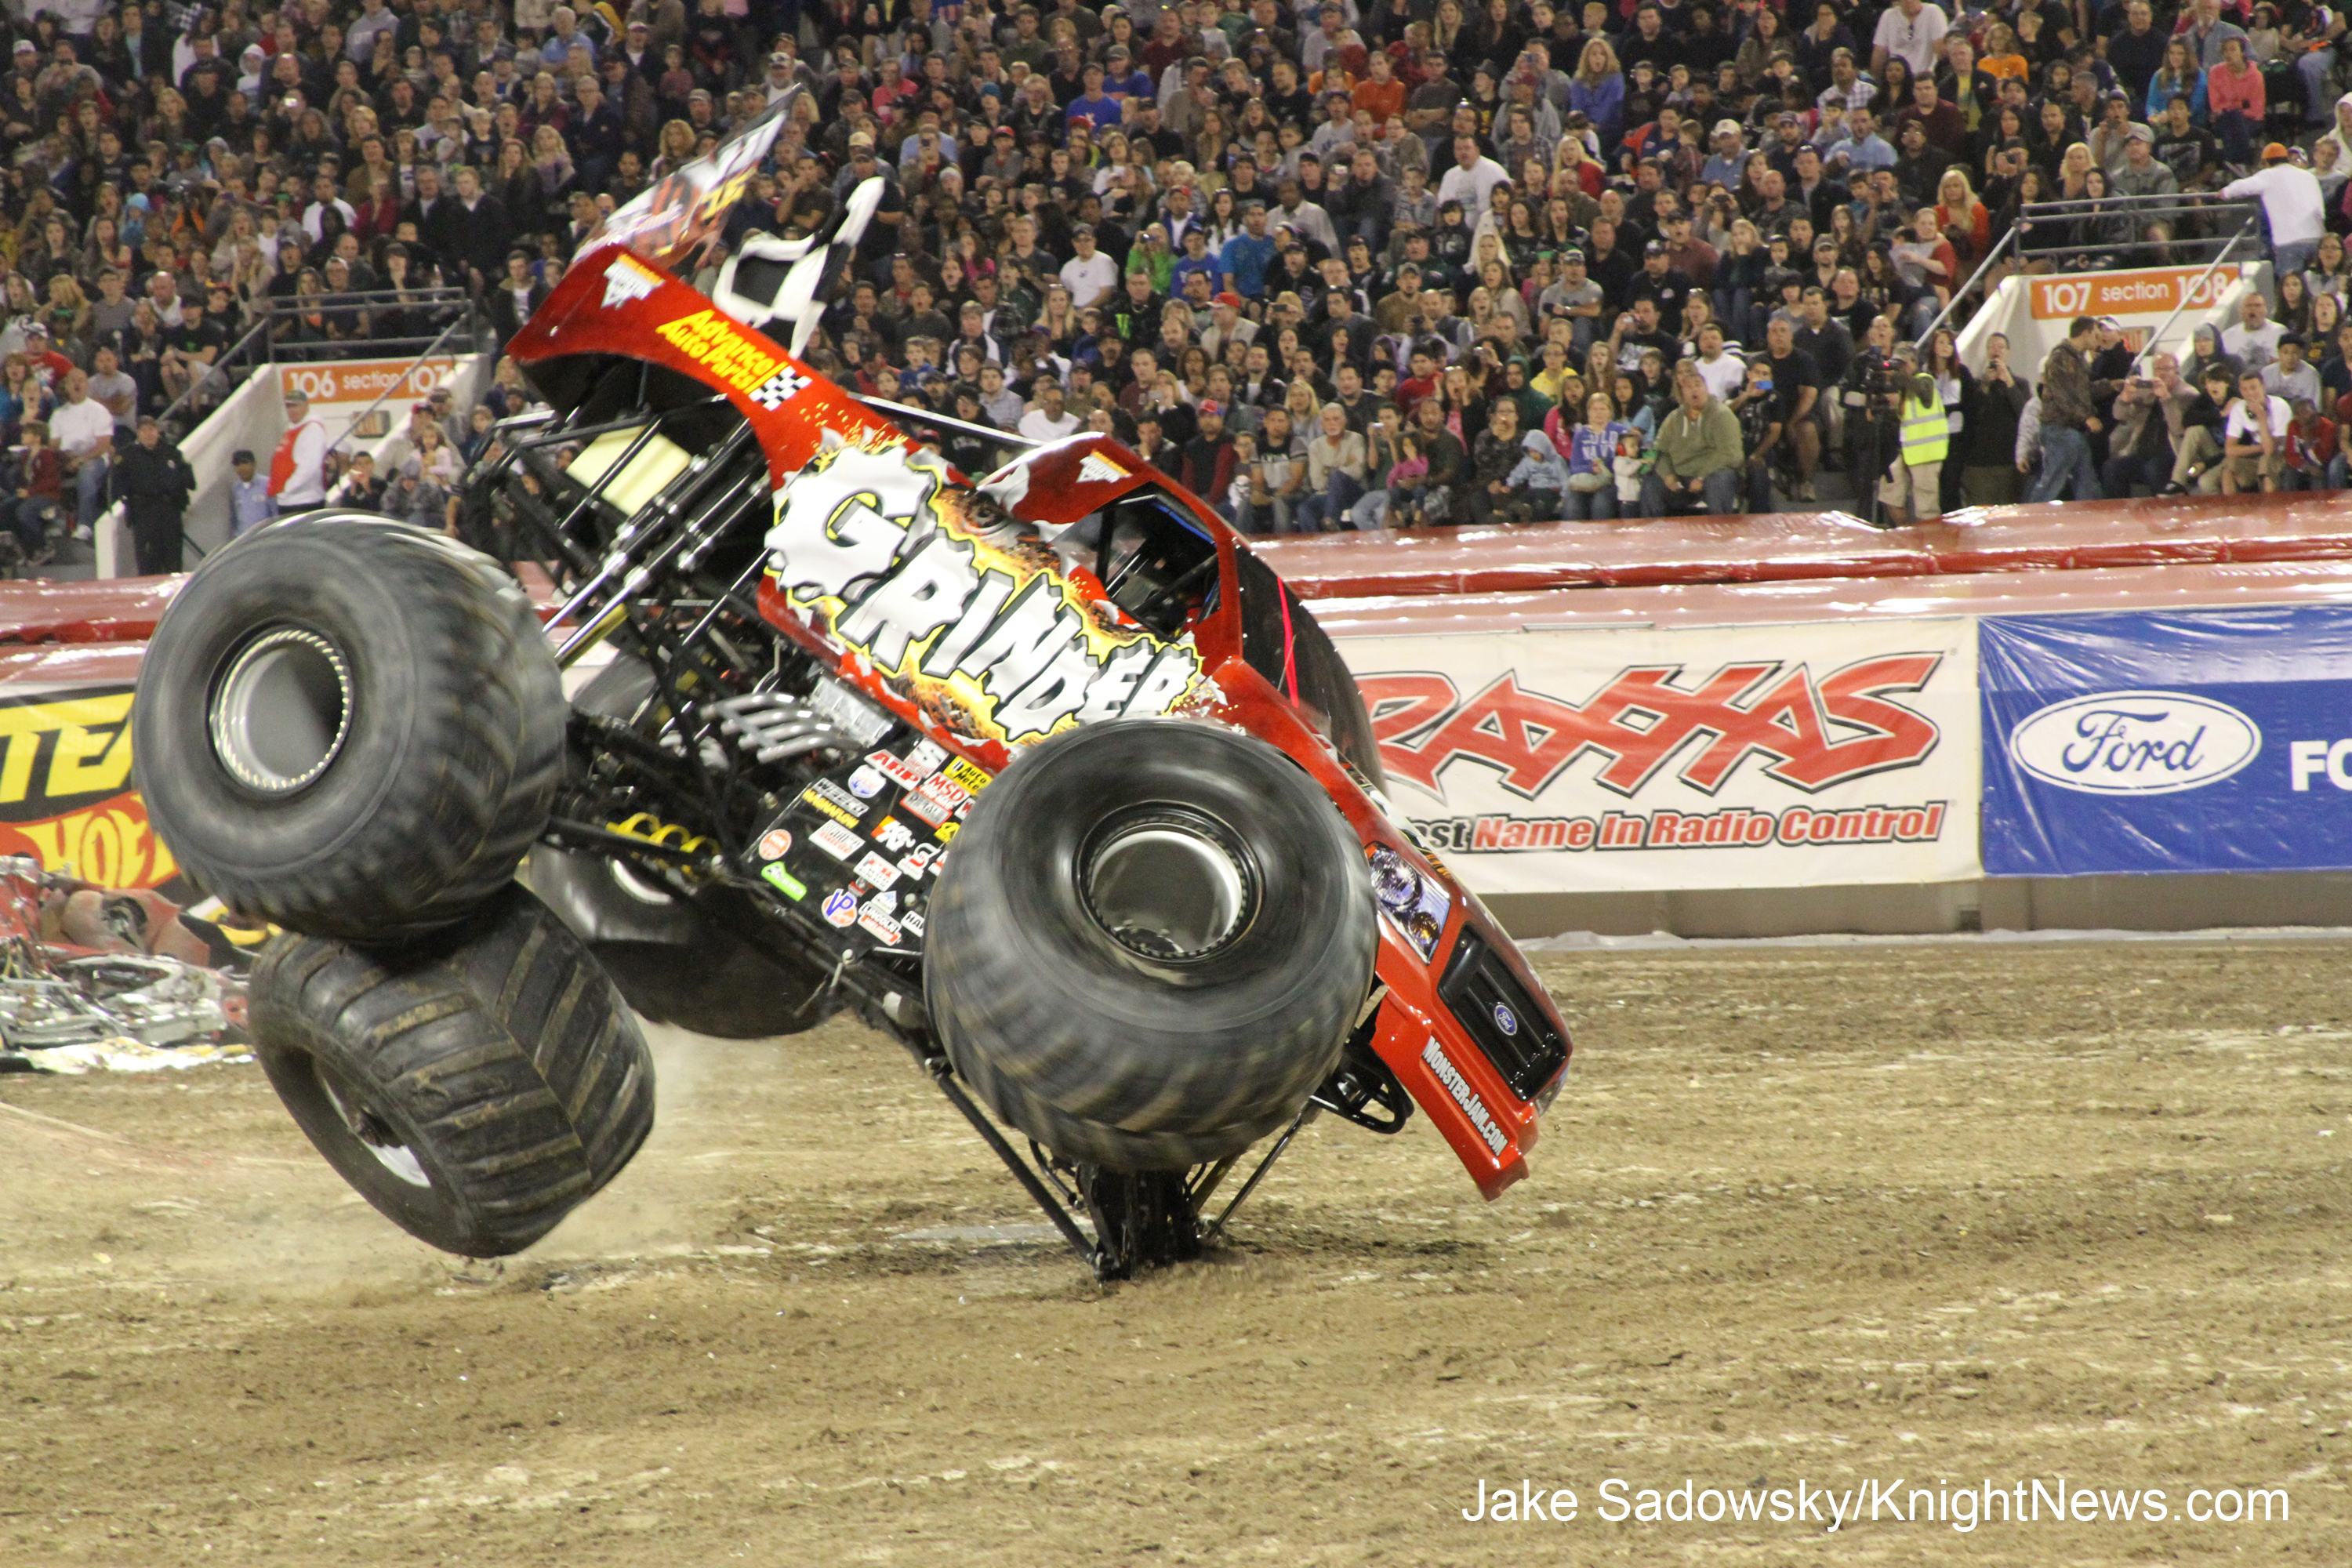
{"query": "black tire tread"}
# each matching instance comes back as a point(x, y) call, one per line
point(491, 722)
point(1071, 1076)
point(497, 1041)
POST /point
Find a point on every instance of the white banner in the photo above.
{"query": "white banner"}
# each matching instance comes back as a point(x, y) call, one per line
point(1769, 756)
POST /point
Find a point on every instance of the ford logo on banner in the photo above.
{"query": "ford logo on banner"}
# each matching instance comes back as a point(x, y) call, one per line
point(2134, 743)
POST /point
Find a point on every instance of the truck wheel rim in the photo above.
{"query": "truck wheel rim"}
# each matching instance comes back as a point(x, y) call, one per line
point(1168, 882)
point(281, 711)
point(374, 1132)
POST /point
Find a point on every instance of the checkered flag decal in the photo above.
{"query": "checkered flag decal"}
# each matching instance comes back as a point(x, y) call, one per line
point(779, 388)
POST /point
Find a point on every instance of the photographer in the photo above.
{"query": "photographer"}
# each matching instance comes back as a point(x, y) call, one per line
point(1914, 423)
point(1992, 401)
point(1870, 381)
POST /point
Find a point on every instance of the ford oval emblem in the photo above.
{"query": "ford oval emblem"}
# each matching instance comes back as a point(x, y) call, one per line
point(1506, 1020)
point(2134, 743)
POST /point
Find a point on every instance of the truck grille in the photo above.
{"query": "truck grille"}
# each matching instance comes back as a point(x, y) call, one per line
point(1509, 1025)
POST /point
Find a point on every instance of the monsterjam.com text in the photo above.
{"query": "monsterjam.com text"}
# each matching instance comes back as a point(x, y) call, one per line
point(2050, 1500)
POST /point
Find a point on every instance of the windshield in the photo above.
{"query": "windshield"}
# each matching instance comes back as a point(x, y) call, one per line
point(689, 206)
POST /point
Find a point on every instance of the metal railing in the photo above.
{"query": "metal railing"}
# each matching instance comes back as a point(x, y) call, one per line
point(359, 420)
point(2056, 220)
point(2249, 230)
point(2194, 222)
point(455, 315)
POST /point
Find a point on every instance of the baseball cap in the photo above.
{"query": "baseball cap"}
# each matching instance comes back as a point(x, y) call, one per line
point(1571, 254)
point(24, 47)
point(1229, 298)
point(1211, 405)
point(1726, 128)
point(2274, 152)
point(2140, 134)
point(861, 139)
point(1655, 247)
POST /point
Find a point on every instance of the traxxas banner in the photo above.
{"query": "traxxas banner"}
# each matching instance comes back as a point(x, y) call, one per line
point(1751, 756)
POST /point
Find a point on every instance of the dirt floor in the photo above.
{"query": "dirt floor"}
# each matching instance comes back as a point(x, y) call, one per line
point(1805, 1218)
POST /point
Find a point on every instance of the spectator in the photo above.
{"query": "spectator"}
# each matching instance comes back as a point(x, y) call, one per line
point(154, 482)
point(1991, 408)
point(2289, 198)
point(85, 435)
point(2067, 419)
point(34, 480)
point(2253, 440)
point(298, 479)
point(251, 504)
point(1699, 456)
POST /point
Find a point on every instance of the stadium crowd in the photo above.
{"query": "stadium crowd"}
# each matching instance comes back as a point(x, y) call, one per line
point(1331, 264)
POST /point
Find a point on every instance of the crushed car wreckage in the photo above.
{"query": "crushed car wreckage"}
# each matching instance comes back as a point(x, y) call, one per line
point(1042, 775)
point(110, 977)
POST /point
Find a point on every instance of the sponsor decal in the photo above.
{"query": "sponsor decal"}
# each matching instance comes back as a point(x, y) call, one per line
point(893, 835)
point(724, 349)
point(2134, 743)
point(866, 784)
point(774, 844)
point(64, 794)
point(875, 547)
point(836, 840)
point(875, 917)
point(834, 802)
point(1433, 1057)
point(915, 865)
point(925, 757)
point(841, 906)
point(911, 923)
point(780, 388)
point(1811, 734)
point(904, 772)
point(792, 887)
point(935, 800)
point(877, 871)
point(1732, 828)
point(1097, 470)
point(627, 280)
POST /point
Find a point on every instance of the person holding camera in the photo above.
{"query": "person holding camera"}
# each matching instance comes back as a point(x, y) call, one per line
point(1869, 381)
point(1992, 401)
point(1922, 437)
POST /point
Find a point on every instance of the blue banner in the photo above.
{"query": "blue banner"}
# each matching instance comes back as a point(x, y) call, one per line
point(2196, 740)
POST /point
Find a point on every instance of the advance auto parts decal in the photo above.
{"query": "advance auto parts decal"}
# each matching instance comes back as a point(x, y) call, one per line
point(64, 790)
point(980, 629)
point(1773, 756)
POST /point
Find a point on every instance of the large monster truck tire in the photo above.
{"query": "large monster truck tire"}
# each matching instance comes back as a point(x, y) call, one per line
point(1148, 943)
point(350, 727)
point(710, 963)
point(476, 1086)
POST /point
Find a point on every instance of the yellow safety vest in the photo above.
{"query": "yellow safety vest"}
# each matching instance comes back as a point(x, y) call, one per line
point(1926, 434)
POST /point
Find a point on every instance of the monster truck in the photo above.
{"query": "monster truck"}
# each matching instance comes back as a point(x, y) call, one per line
point(1044, 776)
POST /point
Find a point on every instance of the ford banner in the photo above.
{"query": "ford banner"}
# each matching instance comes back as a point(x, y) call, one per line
point(2200, 741)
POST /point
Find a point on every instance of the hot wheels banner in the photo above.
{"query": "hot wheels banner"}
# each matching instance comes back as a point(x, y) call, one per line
point(1736, 757)
point(65, 789)
point(2200, 741)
